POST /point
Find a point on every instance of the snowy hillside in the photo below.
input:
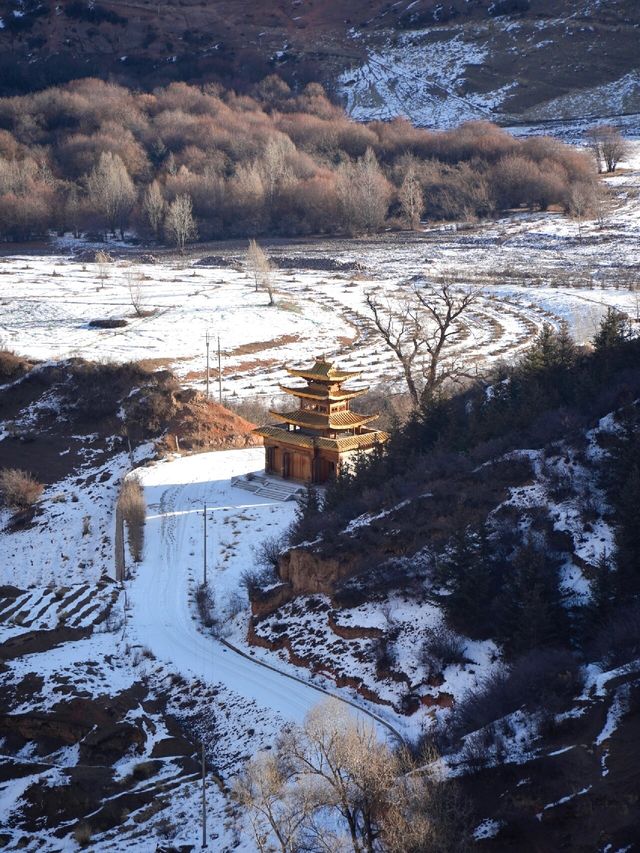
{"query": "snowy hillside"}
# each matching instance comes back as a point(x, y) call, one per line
point(444, 76)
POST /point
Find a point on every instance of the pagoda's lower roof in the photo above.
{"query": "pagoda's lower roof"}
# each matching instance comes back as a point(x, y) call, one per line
point(343, 444)
point(316, 420)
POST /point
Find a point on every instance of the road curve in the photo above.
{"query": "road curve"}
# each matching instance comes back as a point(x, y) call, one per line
point(160, 592)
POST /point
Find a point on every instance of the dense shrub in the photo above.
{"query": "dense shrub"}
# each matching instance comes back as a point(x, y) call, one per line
point(546, 679)
point(279, 162)
point(11, 365)
point(132, 505)
point(95, 391)
point(19, 489)
point(618, 641)
point(443, 646)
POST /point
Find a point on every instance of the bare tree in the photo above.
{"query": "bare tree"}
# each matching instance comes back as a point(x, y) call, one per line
point(260, 269)
point(277, 810)
point(111, 191)
point(73, 210)
point(274, 165)
point(332, 786)
point(132, 505)
point(411, 198)
point(179, 224)
point(608, 146)
point(103, 260)
point(419, 329)
point(582, 202)
point(134, 286)
point(364, 194)
point(153, 205)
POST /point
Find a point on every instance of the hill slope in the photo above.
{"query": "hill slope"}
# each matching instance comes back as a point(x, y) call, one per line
point(436, 63)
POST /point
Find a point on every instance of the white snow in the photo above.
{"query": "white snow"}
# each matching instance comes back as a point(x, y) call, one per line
point(487, 829)
point(618, 708)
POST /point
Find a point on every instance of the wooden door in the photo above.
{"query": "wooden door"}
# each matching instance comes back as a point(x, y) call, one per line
point(270, 459)
point(286, 465)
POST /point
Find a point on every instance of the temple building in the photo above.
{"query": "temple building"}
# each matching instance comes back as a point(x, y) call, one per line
point(314, 440)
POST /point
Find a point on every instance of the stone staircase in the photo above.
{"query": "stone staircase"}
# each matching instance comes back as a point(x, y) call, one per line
point(268, 487)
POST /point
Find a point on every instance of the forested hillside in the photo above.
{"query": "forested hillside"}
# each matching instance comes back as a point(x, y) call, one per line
point(487, 562)
point(435, 63)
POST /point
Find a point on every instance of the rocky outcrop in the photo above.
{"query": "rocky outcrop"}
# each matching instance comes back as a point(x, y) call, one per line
point(353, 632)
point(32, 642)
point(265, 601)
point(316, 666)
point(53, 728)
point(308, 572)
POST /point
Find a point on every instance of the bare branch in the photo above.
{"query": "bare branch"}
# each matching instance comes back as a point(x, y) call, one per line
point(419, 329)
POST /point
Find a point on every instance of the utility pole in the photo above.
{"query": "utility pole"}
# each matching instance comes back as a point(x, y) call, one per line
point(204, 525)
point(204, 802)
point(207, 340)
point(219, 373)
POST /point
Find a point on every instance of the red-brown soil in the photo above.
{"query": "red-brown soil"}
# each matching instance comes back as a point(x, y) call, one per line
point(201, 424)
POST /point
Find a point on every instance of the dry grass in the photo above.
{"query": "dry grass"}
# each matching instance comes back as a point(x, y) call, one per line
point(19, 489)
point(11, 365)
point(82, 834)
point(132, 505)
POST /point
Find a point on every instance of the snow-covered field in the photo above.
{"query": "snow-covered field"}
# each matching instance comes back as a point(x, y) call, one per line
point(533, 268)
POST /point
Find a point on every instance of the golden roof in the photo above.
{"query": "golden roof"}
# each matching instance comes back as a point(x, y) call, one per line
point(343, 444)
point(323, 393)
point(323, 371)
point(316, 420)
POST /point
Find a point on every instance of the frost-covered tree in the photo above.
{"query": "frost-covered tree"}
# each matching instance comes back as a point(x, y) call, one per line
point(179, 224)
point(333, 785)
point(411, 198)
point(364, 194)
point(260, 269)
point(111, 191)
point(154, 206)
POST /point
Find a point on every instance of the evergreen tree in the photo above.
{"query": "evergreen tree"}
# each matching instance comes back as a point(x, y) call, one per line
point(306, 523)
point(543, 353)
point(566, 353)
point(613, 331)
point(549, 364)
point(628, 535)
point(468, 573)
point(530, 611)
point(601, 605)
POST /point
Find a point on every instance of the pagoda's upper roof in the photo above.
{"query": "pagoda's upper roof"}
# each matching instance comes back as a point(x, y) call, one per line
point(323, 371)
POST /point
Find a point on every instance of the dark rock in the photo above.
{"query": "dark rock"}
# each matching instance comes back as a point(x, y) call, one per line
point(107, 744)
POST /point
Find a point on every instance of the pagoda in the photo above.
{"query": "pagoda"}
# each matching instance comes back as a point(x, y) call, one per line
point(313, 441)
